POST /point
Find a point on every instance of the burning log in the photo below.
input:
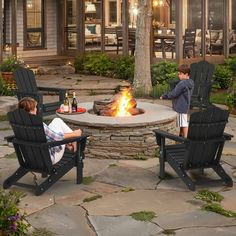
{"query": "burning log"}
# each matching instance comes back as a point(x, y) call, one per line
point(122, 104)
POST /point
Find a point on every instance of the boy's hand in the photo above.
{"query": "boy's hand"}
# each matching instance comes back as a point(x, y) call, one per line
point(77, 132)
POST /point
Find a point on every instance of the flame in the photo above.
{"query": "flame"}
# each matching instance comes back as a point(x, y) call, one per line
point(123, 104)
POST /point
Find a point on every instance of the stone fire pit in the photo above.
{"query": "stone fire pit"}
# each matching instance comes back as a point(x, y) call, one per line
point(122, 137)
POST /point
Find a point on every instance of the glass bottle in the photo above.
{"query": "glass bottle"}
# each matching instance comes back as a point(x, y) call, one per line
point(74, 103)
point(66, 103)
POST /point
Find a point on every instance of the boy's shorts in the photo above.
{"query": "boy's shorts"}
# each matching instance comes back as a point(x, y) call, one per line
point(182, 120)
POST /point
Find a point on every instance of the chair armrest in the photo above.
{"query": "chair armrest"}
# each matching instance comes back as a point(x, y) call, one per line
point(49, 144)
point(68, 140)
point(51, 89)
point(164, 134)
point(9, 138)
point(60, 91)
point(228, 136)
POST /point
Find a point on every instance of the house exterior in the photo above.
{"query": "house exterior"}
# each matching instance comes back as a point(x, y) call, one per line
point(33, 28)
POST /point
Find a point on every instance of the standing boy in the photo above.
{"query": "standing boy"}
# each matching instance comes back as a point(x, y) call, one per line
point(180, 96)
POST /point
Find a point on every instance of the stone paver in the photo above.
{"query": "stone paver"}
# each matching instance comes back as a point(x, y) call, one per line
point(123, 225)
point(62, 209)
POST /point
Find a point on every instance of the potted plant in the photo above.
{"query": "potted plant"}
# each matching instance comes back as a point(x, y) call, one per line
point(12, 222)
point(7, 67)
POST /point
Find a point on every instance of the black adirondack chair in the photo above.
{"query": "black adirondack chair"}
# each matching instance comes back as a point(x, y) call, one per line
point(32, 151)
point(201, 149)
point(201, 73)
point(27, 87)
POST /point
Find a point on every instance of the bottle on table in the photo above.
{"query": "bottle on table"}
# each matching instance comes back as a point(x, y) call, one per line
point(66, 103)
point(74, 103)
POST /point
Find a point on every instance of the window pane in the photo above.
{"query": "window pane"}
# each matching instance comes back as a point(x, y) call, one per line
point(34, 39)
point(34, 13)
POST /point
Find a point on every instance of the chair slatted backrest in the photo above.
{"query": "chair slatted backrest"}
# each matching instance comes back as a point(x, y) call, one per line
point(25, 80)
point(29, 128)
point(201, 73)
point(206, 130)
point(189, 38)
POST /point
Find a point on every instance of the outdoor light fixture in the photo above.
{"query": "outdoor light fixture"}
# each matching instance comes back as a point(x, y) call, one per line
point(29, 4)
point(90, 8)
point(158, 3)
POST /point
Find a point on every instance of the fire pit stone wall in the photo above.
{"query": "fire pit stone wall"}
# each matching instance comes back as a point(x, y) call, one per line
point(123, 137)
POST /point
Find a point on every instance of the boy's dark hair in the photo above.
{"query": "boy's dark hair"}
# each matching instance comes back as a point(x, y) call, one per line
point(184, 69)
point(27, 103)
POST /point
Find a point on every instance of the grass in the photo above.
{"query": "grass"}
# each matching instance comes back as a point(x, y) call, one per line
point(143, 215)
point(128, 189)
point(218, 97)
point(113, 165)
point(11, 156)
point(42, 232)
point(217, 208)
point(87, 180)
point(208, 196)
point(140, 156)
point(3, 118)
point(93, 198)
point(213, 200)
point(168, 232)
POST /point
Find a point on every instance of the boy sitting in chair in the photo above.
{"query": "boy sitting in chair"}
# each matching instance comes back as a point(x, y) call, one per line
point(57, 130)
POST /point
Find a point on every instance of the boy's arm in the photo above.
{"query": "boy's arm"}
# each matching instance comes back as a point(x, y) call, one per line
point(179, 88)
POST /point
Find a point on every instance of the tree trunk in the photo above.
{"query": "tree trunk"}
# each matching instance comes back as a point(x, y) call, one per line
point(142, 74)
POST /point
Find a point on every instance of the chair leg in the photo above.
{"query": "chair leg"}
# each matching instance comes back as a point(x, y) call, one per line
point(182, 174)
point(54, 177)
point(162, 167)
point(223, 175)
point(79, 170)
point(19, 173)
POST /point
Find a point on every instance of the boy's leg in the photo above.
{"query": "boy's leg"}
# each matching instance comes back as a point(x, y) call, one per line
point(58, 125)
point(182, 123)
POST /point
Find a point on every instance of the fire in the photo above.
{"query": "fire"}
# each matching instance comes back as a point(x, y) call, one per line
point(124, 103)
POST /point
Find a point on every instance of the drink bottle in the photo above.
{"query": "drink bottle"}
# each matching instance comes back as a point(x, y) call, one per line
point(74, 103)
point(66, 103)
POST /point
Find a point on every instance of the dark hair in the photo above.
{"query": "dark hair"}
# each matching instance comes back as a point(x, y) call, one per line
point(27, 103)
point(184, 69)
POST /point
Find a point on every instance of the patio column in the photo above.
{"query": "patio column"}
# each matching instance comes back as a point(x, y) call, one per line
point(226, 27)
point(60, 26)
point(103, 27)
point(204, 26)
point(125, 27)
point(1, 32)
point(179, 30)
point(13, 27)
point(80, 39)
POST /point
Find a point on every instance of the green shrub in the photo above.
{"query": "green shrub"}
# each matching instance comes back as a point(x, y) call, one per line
point(162, 72)
point(231, 63)
point(79, 63)
point(231, 97)
point(223, 75)
point(159, 89)
point(98, 64)
point(124, 68)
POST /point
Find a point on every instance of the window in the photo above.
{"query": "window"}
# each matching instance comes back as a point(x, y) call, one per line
point(34, 22)
point(113, 12)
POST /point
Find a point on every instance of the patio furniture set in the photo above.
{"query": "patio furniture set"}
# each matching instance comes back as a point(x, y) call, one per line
point(200, 150)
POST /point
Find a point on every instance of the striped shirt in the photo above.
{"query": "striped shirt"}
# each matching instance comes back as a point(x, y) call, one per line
point(53, 136)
